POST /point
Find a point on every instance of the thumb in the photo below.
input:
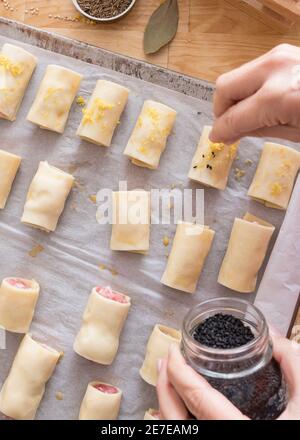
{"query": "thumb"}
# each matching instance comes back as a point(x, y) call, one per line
point(285, 132)
point(287, 354)
point(240, 119)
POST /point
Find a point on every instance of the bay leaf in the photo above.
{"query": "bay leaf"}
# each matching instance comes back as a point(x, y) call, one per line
point(161, 27)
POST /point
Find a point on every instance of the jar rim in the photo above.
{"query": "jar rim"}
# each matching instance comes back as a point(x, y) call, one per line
point(243, 349)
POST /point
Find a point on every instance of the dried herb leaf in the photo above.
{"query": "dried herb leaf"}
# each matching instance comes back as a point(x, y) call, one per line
point(161, 27)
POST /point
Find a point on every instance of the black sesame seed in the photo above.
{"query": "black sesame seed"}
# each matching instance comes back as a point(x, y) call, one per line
point(195, 166)
point(223, 331)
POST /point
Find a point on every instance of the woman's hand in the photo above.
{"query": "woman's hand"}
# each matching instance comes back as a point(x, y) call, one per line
point(260, 98)
point(181, 391)
point(287, 354)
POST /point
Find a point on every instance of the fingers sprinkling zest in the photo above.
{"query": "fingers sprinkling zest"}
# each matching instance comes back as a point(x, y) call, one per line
point(260, 98)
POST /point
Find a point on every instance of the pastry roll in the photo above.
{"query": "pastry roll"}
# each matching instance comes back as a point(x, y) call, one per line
point(190, 248)
point(150, 134)
point(151, 414)
point(157, 348)
point(246, 251)
point(9, 165)
point(101, 402)
point(212, 162)
point(103, 112)
point(46, 197)
point(131, 221)
point(102, 323)
point(275, 175)
point(52, 104)
point(16, 68)
point(24, 387)
point(18, 298)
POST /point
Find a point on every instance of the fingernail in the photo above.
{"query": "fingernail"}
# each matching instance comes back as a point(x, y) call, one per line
point(212, 137)
point(159, 364)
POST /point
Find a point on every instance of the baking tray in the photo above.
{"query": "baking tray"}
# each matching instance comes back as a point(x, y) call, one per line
point(144, 395)
point(90, 54)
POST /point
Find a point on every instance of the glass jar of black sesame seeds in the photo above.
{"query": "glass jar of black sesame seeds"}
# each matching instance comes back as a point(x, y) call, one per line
point(227, 341)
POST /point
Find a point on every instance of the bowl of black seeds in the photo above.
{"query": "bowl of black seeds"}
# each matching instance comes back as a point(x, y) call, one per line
point(104, 10)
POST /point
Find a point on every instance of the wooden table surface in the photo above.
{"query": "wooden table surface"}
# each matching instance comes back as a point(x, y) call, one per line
point(213, 35)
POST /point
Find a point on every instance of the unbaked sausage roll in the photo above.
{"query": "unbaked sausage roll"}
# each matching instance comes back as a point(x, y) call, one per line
point(151, 414)
point(18, 298)
point(102, 323)
point(149, 137)
point(190, 248)
point(16, 68)
point(158, 345)
point(275, 175)
point(131, 221)
point(52, 104)
point(101, 402)
point(46, 197)
point(24, 387)
point(212, 162)
point(103, 112)
point(9, 165)
point(246, 251)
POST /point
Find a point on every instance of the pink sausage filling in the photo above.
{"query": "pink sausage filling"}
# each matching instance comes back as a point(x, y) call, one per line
point(19, 283)
point(114, 296)
point(107, 389)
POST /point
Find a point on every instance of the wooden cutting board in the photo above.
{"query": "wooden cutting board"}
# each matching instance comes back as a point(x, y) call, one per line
point(213, 36)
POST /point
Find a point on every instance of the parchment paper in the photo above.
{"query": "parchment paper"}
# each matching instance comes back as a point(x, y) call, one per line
point(281, 279)
point(68, 267)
